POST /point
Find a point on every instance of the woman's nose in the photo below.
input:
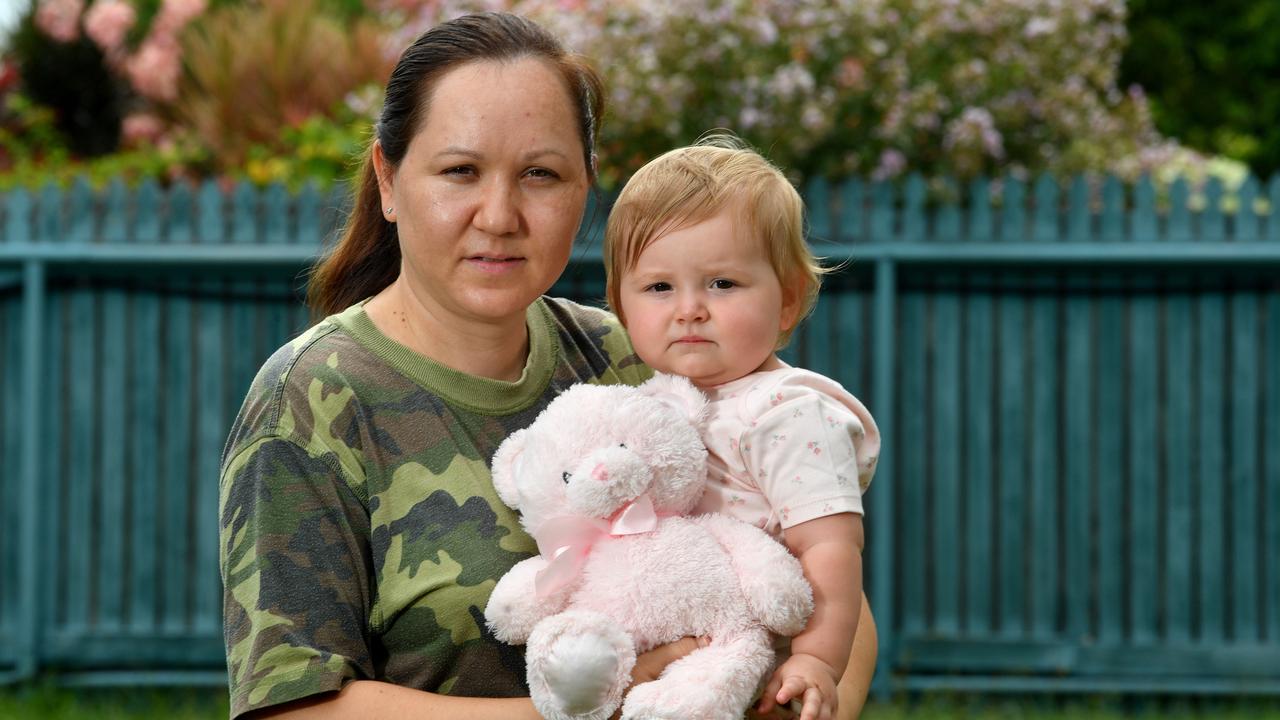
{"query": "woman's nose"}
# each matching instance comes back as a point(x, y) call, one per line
point(498, 213)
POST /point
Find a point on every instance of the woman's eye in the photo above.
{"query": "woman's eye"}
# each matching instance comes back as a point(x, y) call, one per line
point(539, 172)
point(565, 477)
point(460, 170)
point(722, 284)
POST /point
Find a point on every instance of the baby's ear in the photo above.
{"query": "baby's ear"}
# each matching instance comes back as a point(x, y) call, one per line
point(677, 392)
point(506, 466)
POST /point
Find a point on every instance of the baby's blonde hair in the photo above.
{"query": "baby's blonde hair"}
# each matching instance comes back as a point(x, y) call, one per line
point(691, 184)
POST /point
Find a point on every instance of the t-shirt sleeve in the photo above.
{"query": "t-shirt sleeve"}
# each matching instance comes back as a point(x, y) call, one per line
point(294, 554)
point(811, 455)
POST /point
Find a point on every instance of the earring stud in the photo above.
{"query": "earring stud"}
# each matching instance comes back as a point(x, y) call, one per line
point(388, 210)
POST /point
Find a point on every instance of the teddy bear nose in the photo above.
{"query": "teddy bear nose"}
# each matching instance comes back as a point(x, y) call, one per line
point(600, 472)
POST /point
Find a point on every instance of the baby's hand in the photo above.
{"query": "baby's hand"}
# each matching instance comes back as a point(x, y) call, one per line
point(807, 678)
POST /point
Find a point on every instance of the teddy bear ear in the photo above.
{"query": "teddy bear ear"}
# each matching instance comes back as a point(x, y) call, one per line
point(677, 392)
point(506, 465)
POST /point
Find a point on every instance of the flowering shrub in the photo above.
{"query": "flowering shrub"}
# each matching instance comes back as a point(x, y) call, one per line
point(874, 88)
point(153, 66)
point(868, 87)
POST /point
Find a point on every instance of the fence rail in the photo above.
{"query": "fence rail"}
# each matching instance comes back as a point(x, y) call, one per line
point(1079, 386)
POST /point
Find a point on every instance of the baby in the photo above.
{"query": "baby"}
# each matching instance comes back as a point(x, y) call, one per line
point(709, 271)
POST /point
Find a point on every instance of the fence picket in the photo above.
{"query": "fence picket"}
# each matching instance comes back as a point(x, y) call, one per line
point(913, 209)
point(817, 205)
point(18, 226)
point(80, 215)
point(852, 219)
point(945, 421)
point(1180, 212)
point(1247, 225)
point(149, 206)
point(110, 476)
point(1213, 223)
point(1112, 221)
point(913, 427)
point(115, 205)
point(1143, 497)
point(144, 455)
point(949, 228)
point(1045, 223)
point(1273, 214)
point(1242, 475)
point(1011, 464)
point(1079, 217)
point(1079, 450)
point(883, 213)
point(1143, 217)
point(979, 469)
point(51, 219)
point(980, 227)
point(1109, 485)
point(1179, 587)
point(1013, 215)
point(1210, 479)
point(1043, 507)
point(1270, 439)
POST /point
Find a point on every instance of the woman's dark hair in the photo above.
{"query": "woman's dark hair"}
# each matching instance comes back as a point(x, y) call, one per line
point(367, 258)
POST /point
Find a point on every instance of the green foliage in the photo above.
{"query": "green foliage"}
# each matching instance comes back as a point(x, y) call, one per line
point(1210, 72)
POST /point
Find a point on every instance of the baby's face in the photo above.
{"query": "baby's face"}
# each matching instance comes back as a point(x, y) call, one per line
point(704, 302)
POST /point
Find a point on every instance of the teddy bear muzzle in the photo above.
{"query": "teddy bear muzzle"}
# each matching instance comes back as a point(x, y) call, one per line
point(607, 479)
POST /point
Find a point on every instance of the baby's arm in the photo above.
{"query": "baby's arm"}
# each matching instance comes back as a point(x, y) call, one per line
point(830, 551)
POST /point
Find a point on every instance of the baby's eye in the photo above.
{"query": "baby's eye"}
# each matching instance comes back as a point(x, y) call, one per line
point(723, 284)
point(658, 287)
point(565, 477)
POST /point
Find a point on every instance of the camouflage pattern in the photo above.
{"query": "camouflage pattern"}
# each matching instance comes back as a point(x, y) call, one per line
point(360, 532)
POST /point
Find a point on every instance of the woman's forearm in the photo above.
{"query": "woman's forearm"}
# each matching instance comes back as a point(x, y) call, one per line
point(856, 682)
point(374, 699)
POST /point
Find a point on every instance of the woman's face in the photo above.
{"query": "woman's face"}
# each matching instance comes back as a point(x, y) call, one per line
point(490, 192)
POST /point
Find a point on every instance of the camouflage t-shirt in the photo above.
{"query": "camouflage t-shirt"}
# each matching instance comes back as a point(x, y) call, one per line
point(360, 531)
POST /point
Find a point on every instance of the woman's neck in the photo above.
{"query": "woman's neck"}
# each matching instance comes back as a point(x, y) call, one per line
point(489, 349)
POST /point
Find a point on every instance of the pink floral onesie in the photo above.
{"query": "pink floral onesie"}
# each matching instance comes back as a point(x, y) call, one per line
point(786, 446)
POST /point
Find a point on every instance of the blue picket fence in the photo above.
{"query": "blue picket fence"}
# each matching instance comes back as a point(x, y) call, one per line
point(1079, 386)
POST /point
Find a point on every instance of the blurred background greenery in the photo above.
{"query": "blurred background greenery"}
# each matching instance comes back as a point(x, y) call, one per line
point(285, 90)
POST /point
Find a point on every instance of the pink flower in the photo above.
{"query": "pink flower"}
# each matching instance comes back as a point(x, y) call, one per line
point(107, 23)
point(153, 70)
point(60, 19)
point(174, 14)
point(140, 129)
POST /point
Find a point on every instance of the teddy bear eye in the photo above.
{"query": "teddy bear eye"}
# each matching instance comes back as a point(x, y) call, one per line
point(565, 477)
point(622, 445)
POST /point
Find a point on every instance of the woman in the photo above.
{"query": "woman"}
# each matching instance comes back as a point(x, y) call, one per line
point(360, 532)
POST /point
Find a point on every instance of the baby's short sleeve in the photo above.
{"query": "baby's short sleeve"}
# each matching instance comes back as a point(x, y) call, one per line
point(812, 449)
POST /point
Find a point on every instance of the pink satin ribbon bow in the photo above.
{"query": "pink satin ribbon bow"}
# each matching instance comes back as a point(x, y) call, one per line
point(564, 542)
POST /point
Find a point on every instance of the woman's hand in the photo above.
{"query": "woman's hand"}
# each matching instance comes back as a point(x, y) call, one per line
point(649, 665)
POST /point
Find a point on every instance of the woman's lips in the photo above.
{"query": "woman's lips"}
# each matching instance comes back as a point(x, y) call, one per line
point(493, 264)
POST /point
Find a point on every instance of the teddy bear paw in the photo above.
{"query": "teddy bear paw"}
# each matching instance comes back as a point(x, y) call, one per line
point(579, 664)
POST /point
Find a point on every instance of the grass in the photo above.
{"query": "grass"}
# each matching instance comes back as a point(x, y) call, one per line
point(49, 702)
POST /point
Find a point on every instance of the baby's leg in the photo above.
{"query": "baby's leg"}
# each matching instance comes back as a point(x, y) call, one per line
point(713, 683)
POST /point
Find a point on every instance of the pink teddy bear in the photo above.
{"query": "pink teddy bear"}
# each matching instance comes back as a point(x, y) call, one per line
point(602, 480)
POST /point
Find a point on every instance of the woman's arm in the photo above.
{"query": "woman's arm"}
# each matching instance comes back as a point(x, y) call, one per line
point(856, 682)
point(372, 698)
